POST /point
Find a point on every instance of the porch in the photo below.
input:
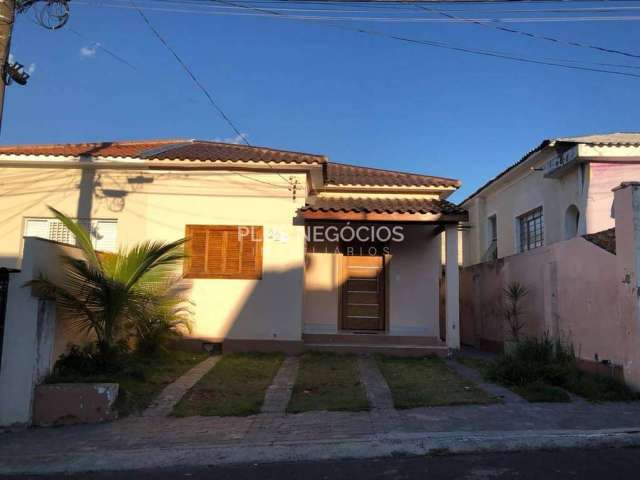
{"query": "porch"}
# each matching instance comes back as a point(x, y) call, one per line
point(373, 276)
point(361, 343)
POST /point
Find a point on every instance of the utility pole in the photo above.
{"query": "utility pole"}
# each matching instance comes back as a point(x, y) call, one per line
point(7, 16)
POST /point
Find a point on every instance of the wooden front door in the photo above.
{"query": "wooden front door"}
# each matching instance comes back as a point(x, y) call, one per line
point(363, 293)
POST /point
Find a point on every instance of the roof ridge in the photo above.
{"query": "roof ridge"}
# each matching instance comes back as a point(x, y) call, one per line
point(258, 147)
point(399, 172)
point(92, 143)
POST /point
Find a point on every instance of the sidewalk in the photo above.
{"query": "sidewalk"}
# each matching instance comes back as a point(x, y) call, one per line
point(145, 442)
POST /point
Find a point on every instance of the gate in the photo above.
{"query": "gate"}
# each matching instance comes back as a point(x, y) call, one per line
point(4, 290)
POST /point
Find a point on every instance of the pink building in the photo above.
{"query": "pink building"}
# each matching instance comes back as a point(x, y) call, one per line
point(561, 189)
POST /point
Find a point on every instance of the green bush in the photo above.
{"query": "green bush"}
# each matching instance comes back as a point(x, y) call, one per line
point(533, 360)
point(599, 388)
point(91, 362)
point(539, 369)
point(541, 392)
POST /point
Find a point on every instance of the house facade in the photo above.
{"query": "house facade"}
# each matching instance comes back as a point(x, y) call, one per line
point(561, 189)
point(286, 250)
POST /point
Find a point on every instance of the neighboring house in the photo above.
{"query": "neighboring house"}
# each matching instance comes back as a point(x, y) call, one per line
point(561, 189)
point(257, 282)
point(562, 222)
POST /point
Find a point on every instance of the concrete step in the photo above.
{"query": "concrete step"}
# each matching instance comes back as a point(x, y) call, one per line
point(363, 349)
point(380, 339)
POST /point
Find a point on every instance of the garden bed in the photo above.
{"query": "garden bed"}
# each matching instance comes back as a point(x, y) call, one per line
point(141, 379)
point(236, 386)
point(328, 381)
point(541, 370)
point(428, 382)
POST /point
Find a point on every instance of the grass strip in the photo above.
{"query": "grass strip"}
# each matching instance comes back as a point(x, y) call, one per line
point(428, 382)
point(327, 381)
point(236, 386)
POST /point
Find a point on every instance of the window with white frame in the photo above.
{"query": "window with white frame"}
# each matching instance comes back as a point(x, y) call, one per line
point(491, 252)
point(531, 229)
point(103, 232)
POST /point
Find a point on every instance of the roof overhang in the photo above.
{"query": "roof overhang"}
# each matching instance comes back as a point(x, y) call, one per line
point(313, 170)
point(384, 217)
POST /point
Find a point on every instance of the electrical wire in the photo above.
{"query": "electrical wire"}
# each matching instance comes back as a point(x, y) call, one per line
point(529, 34)
point(448, 46)
point(191, 8)
point(195, 80)
point(206, 93)
point(101, 47)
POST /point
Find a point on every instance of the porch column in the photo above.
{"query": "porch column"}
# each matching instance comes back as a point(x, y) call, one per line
point(452, 277)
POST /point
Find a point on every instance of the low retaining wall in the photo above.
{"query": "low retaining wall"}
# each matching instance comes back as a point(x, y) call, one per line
point(574, 295)
point(73, 403)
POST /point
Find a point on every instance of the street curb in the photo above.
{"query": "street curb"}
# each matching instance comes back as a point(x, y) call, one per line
point(385, 445)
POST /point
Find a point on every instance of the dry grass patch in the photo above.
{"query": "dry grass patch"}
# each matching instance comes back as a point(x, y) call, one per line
point(327, 381)
point(427, 382)
point(236, 386)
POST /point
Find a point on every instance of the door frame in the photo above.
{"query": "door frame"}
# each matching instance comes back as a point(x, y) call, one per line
point(386, 259)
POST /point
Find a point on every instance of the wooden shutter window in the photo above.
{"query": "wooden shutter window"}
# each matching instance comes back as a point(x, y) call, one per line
point(223, 251)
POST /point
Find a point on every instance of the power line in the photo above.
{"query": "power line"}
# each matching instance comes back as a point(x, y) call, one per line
point(207, 94)
point(529, 34)
point(191, 75)
point(398, 2)
point(102, 47)
point(384, 19)
point(448, 46)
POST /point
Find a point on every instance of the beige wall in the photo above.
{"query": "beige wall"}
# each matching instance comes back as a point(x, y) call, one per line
point(414, 271)
point(587, 186)
point(157, 205)
point(413, 274)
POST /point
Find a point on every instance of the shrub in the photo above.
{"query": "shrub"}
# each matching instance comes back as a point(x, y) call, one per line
point(599, 388)
point(539, 391)
point(534, 360)
point(91, 361)
point(539, 368)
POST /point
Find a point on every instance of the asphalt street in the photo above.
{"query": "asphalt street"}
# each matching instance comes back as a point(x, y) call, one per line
point(583, 464)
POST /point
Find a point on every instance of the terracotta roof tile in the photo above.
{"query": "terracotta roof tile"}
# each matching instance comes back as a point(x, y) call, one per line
point(343, 174)
point(101, 149)
point(605, 239)
point(382, 205)
point(193, 150)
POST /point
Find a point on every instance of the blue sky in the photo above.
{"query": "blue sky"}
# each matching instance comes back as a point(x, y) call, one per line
point(306, 86)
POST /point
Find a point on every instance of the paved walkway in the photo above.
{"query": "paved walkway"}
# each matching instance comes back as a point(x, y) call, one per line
point(163, 405)
point(154, 439)
point(279, 392)
point(378, 392)
point(138, 442)
point(492, 389)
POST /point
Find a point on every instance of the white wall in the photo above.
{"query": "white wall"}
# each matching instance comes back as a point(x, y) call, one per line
point(30, 331)
point(521, 191)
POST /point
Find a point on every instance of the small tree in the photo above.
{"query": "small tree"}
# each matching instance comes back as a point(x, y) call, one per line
point(513, 311)
point(107, 293)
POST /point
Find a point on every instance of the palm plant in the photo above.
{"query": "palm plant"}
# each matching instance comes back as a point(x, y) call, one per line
point(164, 315)
point(514, 313)
point(106, 293)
